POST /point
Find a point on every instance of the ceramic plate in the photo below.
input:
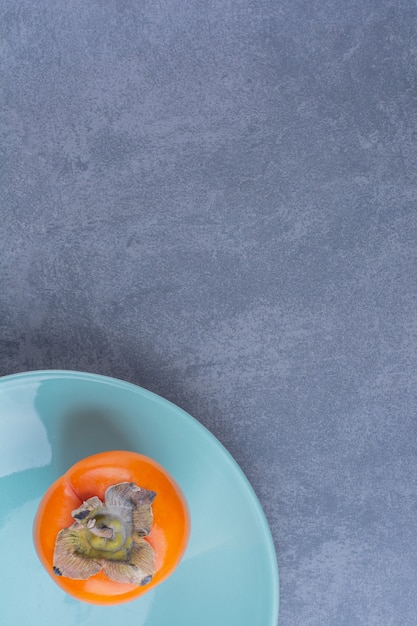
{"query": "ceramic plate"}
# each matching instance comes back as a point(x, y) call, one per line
point(48, 421)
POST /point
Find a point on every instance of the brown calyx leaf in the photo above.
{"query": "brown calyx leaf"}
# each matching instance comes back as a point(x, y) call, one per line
point(109, 536)
point(140, 568)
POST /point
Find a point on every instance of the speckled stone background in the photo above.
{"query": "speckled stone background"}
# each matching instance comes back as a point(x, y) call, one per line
point(216, 199)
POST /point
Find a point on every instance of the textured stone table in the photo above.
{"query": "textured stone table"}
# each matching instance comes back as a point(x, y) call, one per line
point(216, 200)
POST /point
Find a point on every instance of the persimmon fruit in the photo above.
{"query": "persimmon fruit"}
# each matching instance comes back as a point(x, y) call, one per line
point(112, 518)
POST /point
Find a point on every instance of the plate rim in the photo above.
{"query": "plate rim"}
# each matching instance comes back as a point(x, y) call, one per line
point(187, 417)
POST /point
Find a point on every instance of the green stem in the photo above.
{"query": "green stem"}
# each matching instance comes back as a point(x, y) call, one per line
point(106, 532)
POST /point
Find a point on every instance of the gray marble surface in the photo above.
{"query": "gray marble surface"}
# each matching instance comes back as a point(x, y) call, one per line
point(216, 200)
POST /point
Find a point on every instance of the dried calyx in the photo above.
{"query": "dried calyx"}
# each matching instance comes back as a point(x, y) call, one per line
point(109, 536)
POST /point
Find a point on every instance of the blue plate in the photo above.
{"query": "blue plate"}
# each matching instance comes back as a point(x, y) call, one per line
point(48, 421)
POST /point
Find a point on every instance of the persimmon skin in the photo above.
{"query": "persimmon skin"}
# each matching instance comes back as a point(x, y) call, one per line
point(91, 477)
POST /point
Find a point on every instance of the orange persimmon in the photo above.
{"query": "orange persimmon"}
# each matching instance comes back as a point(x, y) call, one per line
point(92, 478)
